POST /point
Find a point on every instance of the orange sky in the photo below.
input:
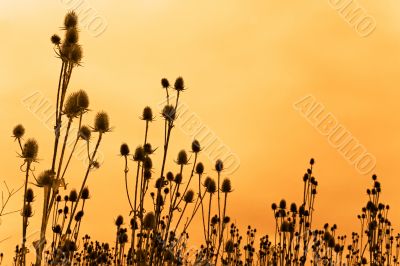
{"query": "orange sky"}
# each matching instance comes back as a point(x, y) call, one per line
point(245, 65)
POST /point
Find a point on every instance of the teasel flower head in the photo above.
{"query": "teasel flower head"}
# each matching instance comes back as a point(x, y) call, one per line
point(27, 211)
point(148, 149)
point(188, 198)
point(207, 181)
point(55, 39)
point(165, 83)
point(179, 84)
point(293, 207)
point(119, 221)
point(169, 113)
point(30, 150)
point(312, 161)
point(226, 186)
point(178, 178)
point(46, 178)
point(76, 104)
point(147, 114)
point(71, 36)
point(211, 186)
point(85, 133)
point(147, 163)
point(76, 54)
point(102, 123)
point(71, 20)
point(139, 154)
point(229, 247)
point(73, 196)
point(182, 158)
point(170, 176)
point(196, 146)
point(85, 194)
point(29, 196)
point(79, 215)
point(219, 165)
point(282, 204)
point(199, 168)
point(124, 149)
point(147, 174)
point(18, 131)
point(149, 221)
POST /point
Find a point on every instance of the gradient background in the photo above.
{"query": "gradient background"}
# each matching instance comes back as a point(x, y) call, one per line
point(245, 63)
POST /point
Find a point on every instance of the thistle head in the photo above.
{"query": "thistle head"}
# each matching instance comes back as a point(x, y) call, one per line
point(139, 154)
point(85, 133)
point(18, 131)
point(196, 146)
point(149, 221)
point(148, 149)
point(219, 165)
point(179, 84)
point(229, 247)
point(147, 163)
point(226, 186)
point(30, 150)
point(76, 54)
point(168, 113)
point(29, 196)
point(71, 36)
point(101, 123)
point(124, 149)
point(182, 158)
point(170, 176)
point(211, 187)
point(147, 114)
point(165, 83)
point(178, 178)
point(70, 20)
point(188, 198)
point(76, 104)
point(46, 178)
point(199, 168)
point(85, 194)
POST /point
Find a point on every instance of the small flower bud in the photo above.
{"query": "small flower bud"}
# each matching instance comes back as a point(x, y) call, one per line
point(55, 39)
point(29, 195)
point(149, 221)
point(196, 146)
point(226, 186)
point(119, 221)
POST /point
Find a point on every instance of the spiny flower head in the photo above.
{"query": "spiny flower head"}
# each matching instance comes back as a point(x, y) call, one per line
point(196, 146)
point(147, 114)
point(149, 221)
point(147, 163)
point(70, 20)
point(165, 83)
point(124, 149)
point(101, 123)
point(139, 154)
point(71, 36)
point(75, 54)
point(85, 133)
point(168, 113)
point(188, 198)
point(219, 165)
point(179, 84)
point(73, 195)
point(148, 149)
point(178, 178)
point(29, 196)
point(182, 158)
point(76, 104)
point(55, 39)
point(199, 168)
point(30, 150)
point(211, 186)
point(226, 186)
point(46, 178)
point(85, 193)
point(18, 131)
point(119, 221)
point(27, 211)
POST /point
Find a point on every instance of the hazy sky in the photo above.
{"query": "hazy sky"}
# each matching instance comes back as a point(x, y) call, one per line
point(245, 63)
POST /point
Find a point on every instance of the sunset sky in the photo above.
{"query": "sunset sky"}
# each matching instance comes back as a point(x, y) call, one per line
point(246, 64)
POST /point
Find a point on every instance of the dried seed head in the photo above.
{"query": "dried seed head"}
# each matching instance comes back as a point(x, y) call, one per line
point(139, 154)
point(71, 36)
point(188, 198)
point(27, 211)
point(147, 149)
point(226, 186)
point(71, 20)
point(73, 195)
point(147, 163)
point(147, 114)
point(85, 133)
point(76, 104)
point(312, 161)
point(79, 216)
point(199, 168)
point(119, 221)
point(76, 54)
point(229, 247)
point(211, 186)
point(207, 181)
point(85, 194)
point(179, 84)
point(168, 113)
point(165, 83)
point(147, 174)
point(178, 178)
point(46, 178)
point(219, 165)
point(29, 196)
point(170, 176)
point(101, 123)
point(18, 131)
point(55, 39)
point(30, 150)
point(182, 158)
point(149, 221)
point(196, 146)
point(124, 149)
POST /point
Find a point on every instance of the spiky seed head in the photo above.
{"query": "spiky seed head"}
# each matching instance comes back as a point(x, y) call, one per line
point(85, 133)
point(211, 186)
point(82, 99)
point(46, 178)
point(169, 113)
point(76, 54)
point(274, 206)
point(207, 181)
point(85, 193)
point(282, 204)
point(58, 198)
point(70, 20)
point(101, 123)
point(27, 211)
point(199, 168)
point(226, 186)
point(73, 195)
point(55, 39)
point(29, 196)
point(76, 104)
point(196, 146)
point(18, 131)
point(165, 83)
point(79, 216)
point(119, 221)
point(57, 229)
point(293, 207)
point(229, 247)
point(170, 176)
point(147, 149)
point(147, 163)
point(312, 161)
point(219, 165)
point(179, 84)
point(178, 178)
point(182, 158)
point(147, 174)
point(149, 221)
point(124, 149)
point(30, 150)
point(139, 154)
point(147, 114)
point(71, 36)
point(188, 198)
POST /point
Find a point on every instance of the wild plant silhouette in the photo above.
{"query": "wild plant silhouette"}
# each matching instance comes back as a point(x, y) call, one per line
point(163, 204)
